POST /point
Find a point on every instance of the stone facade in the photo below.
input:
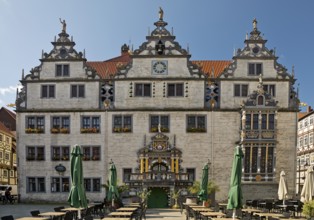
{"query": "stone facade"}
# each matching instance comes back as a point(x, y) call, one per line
point(203, 111)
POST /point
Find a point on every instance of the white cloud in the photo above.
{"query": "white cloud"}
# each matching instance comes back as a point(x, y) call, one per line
point(8, 90)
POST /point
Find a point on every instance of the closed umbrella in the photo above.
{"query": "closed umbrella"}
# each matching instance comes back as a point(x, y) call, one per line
point(235, 192)
point(307, 192)
point(113, 189)
point(203, 193)
point(77, 196)
point(282, 188)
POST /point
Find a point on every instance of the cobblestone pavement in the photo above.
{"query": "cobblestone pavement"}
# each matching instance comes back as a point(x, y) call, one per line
point(22, 210)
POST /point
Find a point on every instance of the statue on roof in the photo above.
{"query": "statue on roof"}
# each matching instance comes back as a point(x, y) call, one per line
point(161, 14)
point(64, 25)
point(254, 24)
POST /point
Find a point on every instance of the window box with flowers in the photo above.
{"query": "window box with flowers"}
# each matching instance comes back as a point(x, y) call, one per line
point(118, 130)
point(55, 158)
point(64, 130)
point(54, 130)
point(65, 158)
point(86, 157)
point(89, 130)
point(162, 129)
point(34, 130)
point(95, 158)
point(196, 129)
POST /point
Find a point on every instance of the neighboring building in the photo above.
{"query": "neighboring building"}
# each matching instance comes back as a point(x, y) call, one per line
point(8, 162)
point(305, 145)
point(159, 116)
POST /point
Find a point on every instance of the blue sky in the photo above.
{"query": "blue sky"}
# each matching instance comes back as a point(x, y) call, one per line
point(212, 29)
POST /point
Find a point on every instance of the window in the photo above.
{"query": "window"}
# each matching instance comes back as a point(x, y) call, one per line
point(240, 90)
point(92, 184)
point(35, 153)
point(7, 139)
point(268, 121)
point(311, 139)
point(60, 153)
point(258, 162)
point(5, 173)
point(48, 91)
point(90, 124)
point(7, 156)
point(251, 121)
point(1, 137)
point(127, 174)
point(60, 184)
point(311, 120)
point(175, 89)
point(77, 91)
point(91, 153)
point(270, 89)
point(305, 122)
point(143, 89)
point(196, 123)
point(255, 69)
point(62, 70)
point(301, 142)
point(306, 140)
point(161, 121)
point(11, 173)
point(191, 174)
point(60, 124)
point(35, 184)
point(35, 124)
point(122, 123)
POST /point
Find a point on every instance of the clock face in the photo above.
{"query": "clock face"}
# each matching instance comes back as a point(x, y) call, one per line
point(159, 67)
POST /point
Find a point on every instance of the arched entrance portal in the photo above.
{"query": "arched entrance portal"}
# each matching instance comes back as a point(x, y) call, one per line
point(158, 198)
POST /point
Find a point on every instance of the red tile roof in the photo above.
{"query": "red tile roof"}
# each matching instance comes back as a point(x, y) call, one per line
point(209, 66)
point(107, 68)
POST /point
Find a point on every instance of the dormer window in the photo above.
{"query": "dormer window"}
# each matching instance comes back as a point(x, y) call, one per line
point(255, 69)
point(62, 70)
point(260, 100)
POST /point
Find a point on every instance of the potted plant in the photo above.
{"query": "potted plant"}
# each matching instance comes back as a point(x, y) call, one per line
point(308, 209)
point(175, 194)
point(144, 194)
point(211, 189)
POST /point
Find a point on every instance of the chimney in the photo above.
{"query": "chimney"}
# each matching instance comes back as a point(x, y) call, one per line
point(124, 49)
point(309, 109)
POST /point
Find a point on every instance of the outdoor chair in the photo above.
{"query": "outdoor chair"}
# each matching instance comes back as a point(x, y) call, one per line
point(58, 209)
point(68, 216)
point(88, 217)
point(7, 217)
point(35, 213)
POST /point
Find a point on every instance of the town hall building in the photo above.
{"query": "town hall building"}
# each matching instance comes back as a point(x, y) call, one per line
point(159, 116)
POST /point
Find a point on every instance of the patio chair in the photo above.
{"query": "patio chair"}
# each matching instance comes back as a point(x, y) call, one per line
point(7, 217)
point(68, 216)
point(58, 209)
point(35, 213)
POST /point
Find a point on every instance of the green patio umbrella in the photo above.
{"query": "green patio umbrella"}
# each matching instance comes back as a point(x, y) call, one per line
point(235, 192)
point(77, 196)
point(113, 189)
point(203, 193)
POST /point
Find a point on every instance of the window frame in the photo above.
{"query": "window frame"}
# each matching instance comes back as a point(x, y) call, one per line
point(175, 89)
point(89, 184)
point(37, 184)
point(161, 120)
point(33, 153)
point(239, 92)
point(48, 91)
point(270, 89)
point(91, 153)
point(122, 123)
point(77, 91)
point(90, 124)
point(60, 185)
point(196, 128)
point(63, 72)
point(37, 125)
point(254, 67)
point(60, 124)
point(141, 91)
point(61, 152)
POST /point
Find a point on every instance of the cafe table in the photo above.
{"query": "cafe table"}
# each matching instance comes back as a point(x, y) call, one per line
point(268, 214)
point(213, 214)
point(33, 218)
point(126, 209)
point(120, 214)
point(52, 214)
point(71, 209)
point(251, 210)
point(202, 209)
point(114, 218)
